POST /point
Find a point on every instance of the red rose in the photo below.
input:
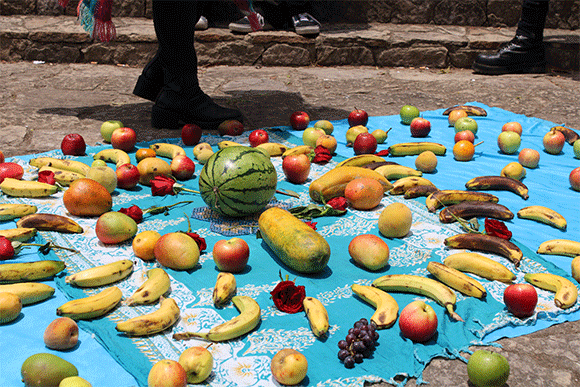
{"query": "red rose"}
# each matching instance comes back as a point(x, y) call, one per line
point(338, 203)
point(497, 228)
point(162, 185)
point(311, 224)
point(288, 297)
point(133, 212)
point(384, 152)
point(6, 249)
point(321, 155)
point(199, 240)
point(46, 177)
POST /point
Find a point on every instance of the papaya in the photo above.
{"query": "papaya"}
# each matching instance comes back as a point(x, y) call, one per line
point(295, 243)
point(46, 370)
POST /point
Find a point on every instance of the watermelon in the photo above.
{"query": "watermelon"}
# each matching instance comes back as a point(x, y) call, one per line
point(238, 181)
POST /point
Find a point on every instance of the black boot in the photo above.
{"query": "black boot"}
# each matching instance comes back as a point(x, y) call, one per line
point(150, 81)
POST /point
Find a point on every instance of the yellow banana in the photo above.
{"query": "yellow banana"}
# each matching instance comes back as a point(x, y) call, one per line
point(148, 324)
point(157, 284)
point(565, 247)
point(415, 148)
point(67, 165)
point(29, 271)
point(50, 222)
point(457, 280)
point(167, 150)
point(297, 150)
point(61, 176)
point(274, 149)
point(566, 291)
point(543, 215)
point(19, 234)
point(360, 160)
point(487, 243)
point(92, 306)
point(446, 197)
point(9, 211)
point(409, 283)
point(225, 143)
point(501, 183)
point(480, 265)
point(224, 289)
point(117, 156)
point(401, 185)
point(394, 171)
point(469, 109)
point(101, 275)
point(333, 182)
point(576, 268)
point(386, 308)
point(27, 189)
point(29, 292)
point(246, 321)
point(317, 316)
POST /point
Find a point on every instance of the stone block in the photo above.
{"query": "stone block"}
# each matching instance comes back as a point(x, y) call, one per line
point(416, 56)
point(286, 55)
point(340, 56)
point(228, 53)
point(52, 52)
point(17, 7)
point(503, 13)
point(460, 13)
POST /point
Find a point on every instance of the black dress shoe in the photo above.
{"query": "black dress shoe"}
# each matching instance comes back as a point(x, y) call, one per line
point(520, 55)
point(150, 82)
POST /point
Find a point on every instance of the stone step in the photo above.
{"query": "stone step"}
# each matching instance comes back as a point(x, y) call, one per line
point(61, 39)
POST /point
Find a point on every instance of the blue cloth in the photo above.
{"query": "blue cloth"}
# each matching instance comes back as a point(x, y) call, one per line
point(247, 361)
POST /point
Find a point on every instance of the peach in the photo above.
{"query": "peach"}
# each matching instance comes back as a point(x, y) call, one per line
point(176, 250)
point(369, 251)
point(289, 366)
point(61, 334)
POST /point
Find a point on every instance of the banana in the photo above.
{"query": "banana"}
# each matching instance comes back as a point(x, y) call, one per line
point(317, 316)
point(66, 165)
point(360, 160)
point(101, 275)
point(148, 324)
point(566, 292)
point(29, 292)
point(246, 321)
point(224, 289)
point(480, 265)
point(446, 197)
point(226, 143)
point(501, 183)
point(297, 150)
point(570, 135)
point(469, 109)
point(394, 172)
point(455, 279)
point(163, 149)
point(409, 283)
point(565, 247)
point(92, 306)
point(401, 185)
point(376, 164)
point(50, 222)
point(333, 182)
point(18, 234)
point(29, 271)
point(9, 211)
point(487, 243)
point(474, 209)
point(27, 189)
point(61, 176)
point(415, 148)
point(117, 156)
point(420, 190)
point(386, 308)
point(274, 149)
point(543, 215)
point(576, 268)
point(157, 284)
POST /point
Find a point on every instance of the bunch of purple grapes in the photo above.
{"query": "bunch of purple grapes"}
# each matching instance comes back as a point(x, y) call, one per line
point(359, 343)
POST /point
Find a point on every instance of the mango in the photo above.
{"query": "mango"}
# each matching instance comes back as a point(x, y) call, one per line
point(46, 370)
point(115, 227)
point(150, 167)
point(395, 220)
point(176, 250)
point(10, 307)
point(104, 175)
point(87, 197)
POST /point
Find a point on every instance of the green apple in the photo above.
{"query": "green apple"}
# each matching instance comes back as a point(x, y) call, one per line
point(487, 369)
point(509, 142)
point(407, 113)
point(577, 149)
point(108, 127)
point(310, 136)
point(325, 125)
point(466, 123)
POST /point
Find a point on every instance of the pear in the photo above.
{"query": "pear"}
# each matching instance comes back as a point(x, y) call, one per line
point(353, 132)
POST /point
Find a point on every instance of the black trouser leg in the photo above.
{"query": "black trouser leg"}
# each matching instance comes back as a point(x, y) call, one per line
point(533, 19)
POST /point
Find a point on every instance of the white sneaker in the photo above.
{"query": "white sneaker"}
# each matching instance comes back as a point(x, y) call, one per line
point(201, 23)
point(243, 25)
point(305, 24)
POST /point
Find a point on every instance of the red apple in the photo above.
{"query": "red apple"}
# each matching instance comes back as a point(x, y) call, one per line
point(520, 299)
point(257, 137)
point(358, 117)
point(73, 144)
point(10, 169)
point(299, 120)
point(296, 168)
point(231, 128)
point(124, 139)
point(512, 126)
point(127, 176)
point(182, 167)
point(553, 142)
point(365, 143)
point(420, 127)
point(466, 135)
point(167, 373)
point(191, 134)
point(231, 255)
point(418, 321)
point(529, 158)
point(575, 179)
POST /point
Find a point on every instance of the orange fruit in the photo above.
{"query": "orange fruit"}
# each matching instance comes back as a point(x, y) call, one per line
point(143, 153)
point(463, 150)
point(363, 193)
point(455, 115)
point(144, 244)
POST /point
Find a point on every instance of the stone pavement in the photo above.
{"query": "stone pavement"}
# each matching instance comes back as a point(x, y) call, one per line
point(41, 103)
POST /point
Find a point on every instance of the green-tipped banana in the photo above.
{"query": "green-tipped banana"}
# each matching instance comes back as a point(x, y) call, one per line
point(566, 292)
point(401, 185)
point(29, 271)
point(116, 156)
point(224, 289)
point(394, 172)
point(157, 284)
point(564, 247)
point(26, 189)
point(317, 316)
point(29, 292)
point(61, 176)
point(50, 222)
point(63, 164)
point(408, 283)
point(245, 322)
point(151, 323)
point(457, 280)
point(93, 306)
point(487, 243)
point(480, 265)
point(19, 234)
point(386, 307)
point(543, 215)
point(101, 275)
point(361, 160)
point(10, 211)
point(167, 150)
point(446, 197)
point(416, 148)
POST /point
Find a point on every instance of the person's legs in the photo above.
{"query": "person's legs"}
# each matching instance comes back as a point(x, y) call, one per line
point(525, 52)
